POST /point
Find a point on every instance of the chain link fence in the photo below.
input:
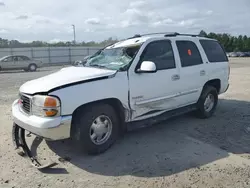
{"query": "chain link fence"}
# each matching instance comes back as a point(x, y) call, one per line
point(52, 55)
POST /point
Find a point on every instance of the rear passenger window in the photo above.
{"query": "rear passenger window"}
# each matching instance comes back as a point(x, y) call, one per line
point(189, 53)
point(25, 58)
point(214, 51)
point(161, 53)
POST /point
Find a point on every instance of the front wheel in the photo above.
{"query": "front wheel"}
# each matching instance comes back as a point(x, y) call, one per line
point(207, 103)
point(95, 128)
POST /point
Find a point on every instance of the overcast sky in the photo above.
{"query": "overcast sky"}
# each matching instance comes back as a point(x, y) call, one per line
point(50, 20)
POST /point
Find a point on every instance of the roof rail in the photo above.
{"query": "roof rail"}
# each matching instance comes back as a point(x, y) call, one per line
point(166, 34)
point(159, 33)
point(181, 34)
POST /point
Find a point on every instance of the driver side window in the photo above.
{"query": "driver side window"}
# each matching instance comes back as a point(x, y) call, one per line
point(161, 53)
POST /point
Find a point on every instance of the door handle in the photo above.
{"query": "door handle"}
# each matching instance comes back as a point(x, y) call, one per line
point(202, 72)
point(175, 77)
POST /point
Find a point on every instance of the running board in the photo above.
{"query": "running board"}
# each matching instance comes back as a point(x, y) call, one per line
point(159, 118)
point(19, 141)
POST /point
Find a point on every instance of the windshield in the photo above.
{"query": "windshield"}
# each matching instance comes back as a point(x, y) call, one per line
point(113, 58)
point(3, 58)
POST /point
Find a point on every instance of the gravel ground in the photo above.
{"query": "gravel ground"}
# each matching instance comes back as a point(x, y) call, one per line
point(184, 152)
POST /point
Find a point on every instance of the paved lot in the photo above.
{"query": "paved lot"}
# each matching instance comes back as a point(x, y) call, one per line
point(184, 152)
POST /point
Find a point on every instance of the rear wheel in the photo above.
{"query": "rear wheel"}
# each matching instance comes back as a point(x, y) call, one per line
point(207, 103)
point(32, 67)
point(95, 129)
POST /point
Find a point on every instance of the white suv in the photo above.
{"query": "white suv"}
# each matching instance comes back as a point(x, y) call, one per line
point(139, 78)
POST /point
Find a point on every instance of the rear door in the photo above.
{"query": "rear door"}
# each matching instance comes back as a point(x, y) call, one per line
point(23, 62)
point(217, 62)
point(193, 73)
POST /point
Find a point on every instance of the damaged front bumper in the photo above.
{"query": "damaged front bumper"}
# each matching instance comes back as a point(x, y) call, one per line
point(19, 141)
point(56, 128)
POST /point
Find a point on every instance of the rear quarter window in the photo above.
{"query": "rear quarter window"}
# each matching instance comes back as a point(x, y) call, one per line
point(214, 51)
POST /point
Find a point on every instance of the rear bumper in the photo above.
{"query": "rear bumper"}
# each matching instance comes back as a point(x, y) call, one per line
point(57, 128)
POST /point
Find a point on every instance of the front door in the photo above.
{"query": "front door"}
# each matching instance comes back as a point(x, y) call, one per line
point(154, 93)
point(8, 63)
point(193, 71)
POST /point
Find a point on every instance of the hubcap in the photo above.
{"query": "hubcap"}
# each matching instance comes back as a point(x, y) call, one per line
point(32, 67)
point(100, 130)
point(209, 103)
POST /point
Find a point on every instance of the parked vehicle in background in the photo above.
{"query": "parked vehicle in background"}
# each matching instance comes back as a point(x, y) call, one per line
point(81, 62)
point(241, 54)
point(19, 62)
point(234, 54)
point(247, 54)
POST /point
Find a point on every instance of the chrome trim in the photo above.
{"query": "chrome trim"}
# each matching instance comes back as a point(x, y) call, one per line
point(166, 97)
point(30, 98)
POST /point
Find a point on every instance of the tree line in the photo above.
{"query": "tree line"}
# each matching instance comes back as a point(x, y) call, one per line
point(230, 43)
point(4, 43)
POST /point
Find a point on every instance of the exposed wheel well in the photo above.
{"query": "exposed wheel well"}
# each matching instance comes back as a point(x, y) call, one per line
point(216, 83)
point(115, 103)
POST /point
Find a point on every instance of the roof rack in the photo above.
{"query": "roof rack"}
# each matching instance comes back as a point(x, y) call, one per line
point(166, 34)
point(163, 33)
point(181, 34)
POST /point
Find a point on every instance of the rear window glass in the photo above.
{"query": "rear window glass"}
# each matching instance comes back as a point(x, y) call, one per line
point(214, 51)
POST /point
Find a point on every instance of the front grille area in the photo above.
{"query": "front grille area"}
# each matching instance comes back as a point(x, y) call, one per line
point(25, 103)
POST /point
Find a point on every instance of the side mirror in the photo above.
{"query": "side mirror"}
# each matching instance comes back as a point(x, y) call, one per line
point(5, 60)
point(147, 67)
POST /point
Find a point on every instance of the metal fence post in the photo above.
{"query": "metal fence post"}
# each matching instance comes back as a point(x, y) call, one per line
point(11, 51)
point(70, 58)
point(49, 55)
point(88, 50)
point(32, 53)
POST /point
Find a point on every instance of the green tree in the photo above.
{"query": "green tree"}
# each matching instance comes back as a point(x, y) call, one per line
point(245, 44)
point(203, 33)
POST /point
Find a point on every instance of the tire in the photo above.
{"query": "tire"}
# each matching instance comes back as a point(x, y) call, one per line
point(84, 123)
point(32, 67)
point(206, 111)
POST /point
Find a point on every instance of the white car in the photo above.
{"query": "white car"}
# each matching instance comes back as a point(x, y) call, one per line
point(143, 77)
point(15, 62)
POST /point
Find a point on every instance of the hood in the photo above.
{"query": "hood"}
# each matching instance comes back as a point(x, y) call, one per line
point(65, 76)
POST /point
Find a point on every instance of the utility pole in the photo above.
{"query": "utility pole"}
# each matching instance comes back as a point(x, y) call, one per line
point(74, 30)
